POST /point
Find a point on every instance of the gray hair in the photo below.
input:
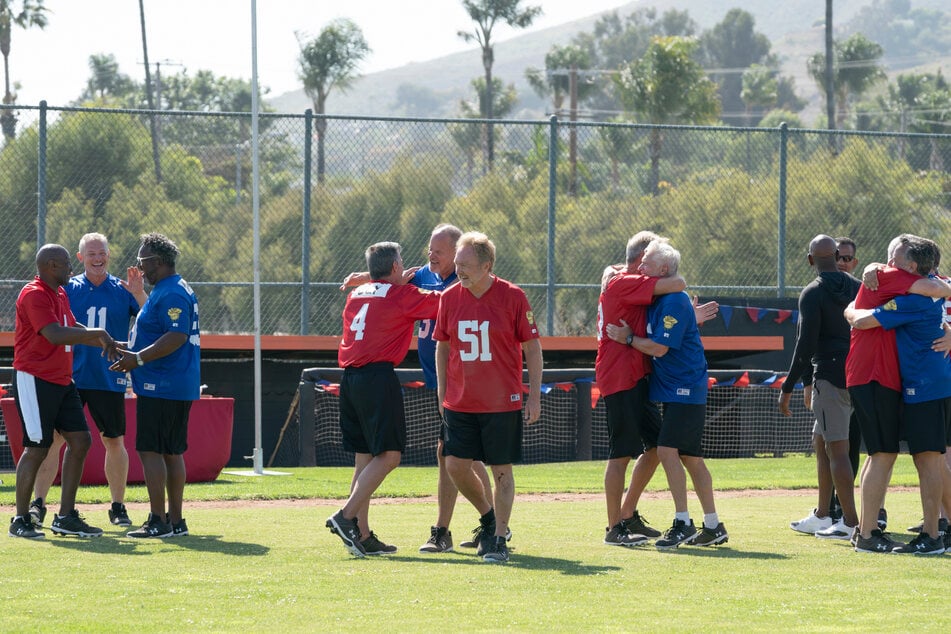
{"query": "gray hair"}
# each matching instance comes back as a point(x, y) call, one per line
point(667, 254)
point(638, 244)
point(92, 237)
point(381, 257)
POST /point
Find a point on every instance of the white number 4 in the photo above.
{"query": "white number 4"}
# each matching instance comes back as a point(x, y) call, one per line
point(359, 322)
point(476, 334)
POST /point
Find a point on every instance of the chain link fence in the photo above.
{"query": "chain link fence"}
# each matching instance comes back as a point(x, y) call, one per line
point(559, 199)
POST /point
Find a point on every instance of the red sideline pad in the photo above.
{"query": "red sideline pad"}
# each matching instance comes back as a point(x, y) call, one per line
point(209, 440)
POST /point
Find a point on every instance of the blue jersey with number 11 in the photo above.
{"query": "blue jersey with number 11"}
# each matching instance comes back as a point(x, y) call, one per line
point(108, 306)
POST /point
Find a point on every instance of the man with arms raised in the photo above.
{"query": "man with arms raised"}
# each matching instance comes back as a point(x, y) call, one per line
point(621, 373)
point(484, 325)
point(874, 383)
point(378, 321)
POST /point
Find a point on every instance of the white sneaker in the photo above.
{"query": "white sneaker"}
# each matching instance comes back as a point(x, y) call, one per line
point(810, 524)
point(839, 530)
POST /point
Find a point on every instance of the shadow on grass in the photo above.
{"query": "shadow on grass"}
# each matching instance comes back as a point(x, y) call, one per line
point(720, 552)
point(530, 562)
point(110, 545)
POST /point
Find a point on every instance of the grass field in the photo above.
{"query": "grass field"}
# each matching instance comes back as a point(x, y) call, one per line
point(259, 558)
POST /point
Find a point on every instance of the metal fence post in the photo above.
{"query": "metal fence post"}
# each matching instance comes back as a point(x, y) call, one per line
point(781, 254)
point(552, 185)
point(41, 180)
point(305, 228)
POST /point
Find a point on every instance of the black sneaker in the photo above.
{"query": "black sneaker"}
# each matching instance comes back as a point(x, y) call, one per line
point(680, 533)
point(73, 524)
point(496, 550)
point(373, 546)
point(882, 520)
point(877, 543)
point(118, 516)
point(154, 526)
point(946, 538)
point(923, 544)
point(178, 530)
point(473, 542)
point(485, 539)
point(348, 532)
point(637, 525)
point(917, 527)
point(23, 526)
point(618, 535)
point(440, 541)
point(38, 512)
point(711, 536)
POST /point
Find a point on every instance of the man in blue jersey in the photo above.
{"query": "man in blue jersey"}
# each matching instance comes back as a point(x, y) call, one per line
point(438, 275)
point(926, 387)
point(679, 381)
point(163, 356)
point(98, 300)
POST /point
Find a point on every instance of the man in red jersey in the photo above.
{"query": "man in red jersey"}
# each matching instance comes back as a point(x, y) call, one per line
point(874, 384)
point(378, 322)
point(483, 327)
point(46, 397)
point(621, 373)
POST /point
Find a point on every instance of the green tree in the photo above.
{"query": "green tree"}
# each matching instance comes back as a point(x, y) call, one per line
point(759, 90)
point(330, 61)
point(106, 82)
point(667, 86)
point(615, 41)
point(734, 43)
point(24, 14)
point(486, 14)
point(856, 68)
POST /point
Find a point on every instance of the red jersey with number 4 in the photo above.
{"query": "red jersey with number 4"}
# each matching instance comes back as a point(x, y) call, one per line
point(626, 296)
point(485, 336)
point(38, 306)
point(378, 322)
point(873, 354)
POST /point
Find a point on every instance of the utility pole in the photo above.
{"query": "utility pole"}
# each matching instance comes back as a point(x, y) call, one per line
point(148, 96)
point(830, 78)
point(573, 131)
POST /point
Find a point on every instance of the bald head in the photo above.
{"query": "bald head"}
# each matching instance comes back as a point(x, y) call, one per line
point(49, 252)
point(822, 252)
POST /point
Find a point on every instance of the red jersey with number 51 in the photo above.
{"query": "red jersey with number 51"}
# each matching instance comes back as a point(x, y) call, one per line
point(485, 336)
point(379, 319)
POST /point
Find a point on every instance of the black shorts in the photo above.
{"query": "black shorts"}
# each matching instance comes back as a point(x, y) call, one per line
point(879, 412)
point(371, 410)
point(925, 425)
point(45, 406)
point(493, 438)
point(107, 409)
point(633, 421)
point(682, 428)
point(161, 425)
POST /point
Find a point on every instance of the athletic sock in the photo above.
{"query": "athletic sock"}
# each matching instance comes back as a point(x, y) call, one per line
point(682, 517)
point(711, 520)
point(489, 517)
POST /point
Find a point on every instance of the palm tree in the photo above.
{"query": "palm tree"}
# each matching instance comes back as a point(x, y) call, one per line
point(23, 14)
point(485, 14)
point(326, 62)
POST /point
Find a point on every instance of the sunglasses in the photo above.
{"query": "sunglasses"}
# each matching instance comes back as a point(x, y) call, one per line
point(844, 258)
point(139, 261)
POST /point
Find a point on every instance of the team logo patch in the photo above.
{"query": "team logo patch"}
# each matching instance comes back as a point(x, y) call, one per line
point(174, 313)
point(890, 305)
point(515, 398)
point(683, 391)
point(530, 316)
point(669, 322)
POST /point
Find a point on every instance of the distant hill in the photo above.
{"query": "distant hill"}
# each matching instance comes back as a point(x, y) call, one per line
point(794, 27)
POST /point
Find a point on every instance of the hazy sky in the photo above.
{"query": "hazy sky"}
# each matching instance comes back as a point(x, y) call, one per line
point(52, 64)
